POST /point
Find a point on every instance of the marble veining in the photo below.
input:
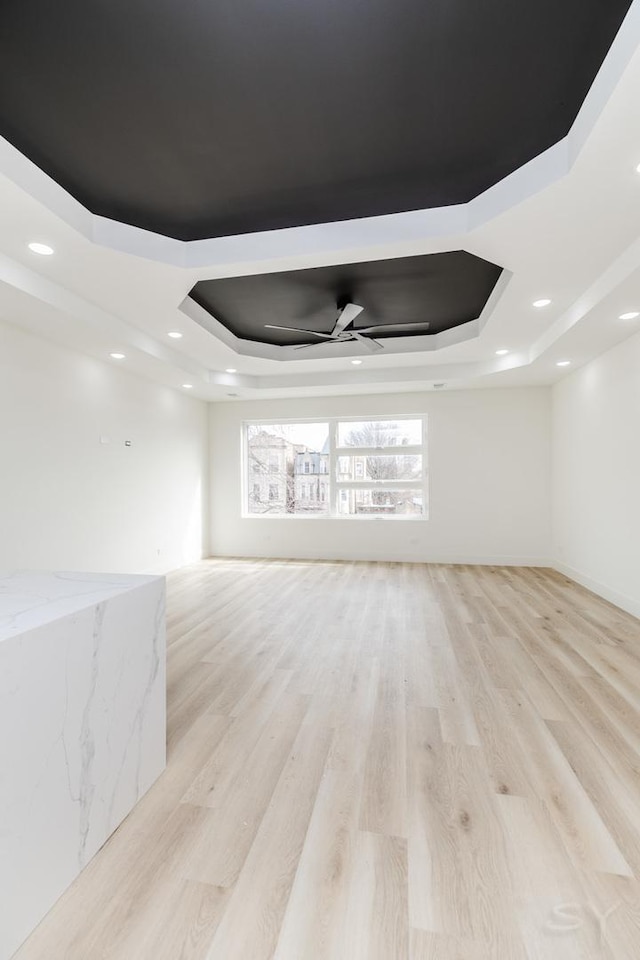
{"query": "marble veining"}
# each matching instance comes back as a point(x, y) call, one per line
point(87, 745)
point(83, 720)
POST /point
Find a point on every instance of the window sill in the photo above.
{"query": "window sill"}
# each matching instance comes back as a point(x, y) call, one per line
point(326, 516)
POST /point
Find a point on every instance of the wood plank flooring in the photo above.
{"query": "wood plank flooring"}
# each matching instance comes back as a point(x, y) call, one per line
point(379, 762)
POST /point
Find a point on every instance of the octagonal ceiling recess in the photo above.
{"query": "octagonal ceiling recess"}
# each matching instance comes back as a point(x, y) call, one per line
point(403, 297)
point(209, 119)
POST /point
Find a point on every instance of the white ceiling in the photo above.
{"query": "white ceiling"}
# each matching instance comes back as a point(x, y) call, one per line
point(563, 227)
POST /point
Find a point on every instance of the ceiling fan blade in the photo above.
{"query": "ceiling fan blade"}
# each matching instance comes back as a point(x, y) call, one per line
point(347, 315)
point(368, 342)
point(394, 326)
point(311, 333)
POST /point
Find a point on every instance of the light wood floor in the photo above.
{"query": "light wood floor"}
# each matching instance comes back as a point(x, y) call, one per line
point(379, 762)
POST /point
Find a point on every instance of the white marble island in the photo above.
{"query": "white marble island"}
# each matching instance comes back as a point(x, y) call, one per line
point(82, 727)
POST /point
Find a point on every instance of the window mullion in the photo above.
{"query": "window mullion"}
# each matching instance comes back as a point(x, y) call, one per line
point(379, 484)
point(396, 451)
point(333, 468)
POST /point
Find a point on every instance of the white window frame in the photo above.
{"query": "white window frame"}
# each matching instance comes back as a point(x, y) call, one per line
point(335, 485)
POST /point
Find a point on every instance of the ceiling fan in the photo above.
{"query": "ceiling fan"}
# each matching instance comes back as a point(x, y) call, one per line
point(340, 334)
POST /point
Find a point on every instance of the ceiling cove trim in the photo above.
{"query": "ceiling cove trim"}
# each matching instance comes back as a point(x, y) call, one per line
point(367, 238)
point(109, 325)
point(613, 277)
point(424, 374)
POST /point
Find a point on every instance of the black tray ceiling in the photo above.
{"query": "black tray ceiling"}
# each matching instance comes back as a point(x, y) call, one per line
point(213, 117)
point(445, 289)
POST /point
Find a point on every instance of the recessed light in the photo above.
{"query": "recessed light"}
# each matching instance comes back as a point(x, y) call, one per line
point(42, 248)
point(174, 334)
point(356, 363)
point(638, 168)
point(563, 363)
point(231, 370)
point(188, 386)
point(501, 353)
point(629, 316)
point(541, 303)
point(117, 356)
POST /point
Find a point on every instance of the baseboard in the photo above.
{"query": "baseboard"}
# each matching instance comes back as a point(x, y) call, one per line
point(628, 604)
point(164, 567)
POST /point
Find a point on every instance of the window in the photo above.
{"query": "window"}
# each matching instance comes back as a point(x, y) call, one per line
point(381, 467)
point(360, 468)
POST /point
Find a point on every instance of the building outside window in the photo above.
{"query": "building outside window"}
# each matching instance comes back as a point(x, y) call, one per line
point(337, 468)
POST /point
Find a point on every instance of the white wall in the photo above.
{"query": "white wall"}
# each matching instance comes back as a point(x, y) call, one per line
point(596, 475)
point(490, 474)
point(68, 502)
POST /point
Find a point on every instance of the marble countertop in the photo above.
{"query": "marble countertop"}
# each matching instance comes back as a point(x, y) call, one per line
point(83, 717)
point(31, 599)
